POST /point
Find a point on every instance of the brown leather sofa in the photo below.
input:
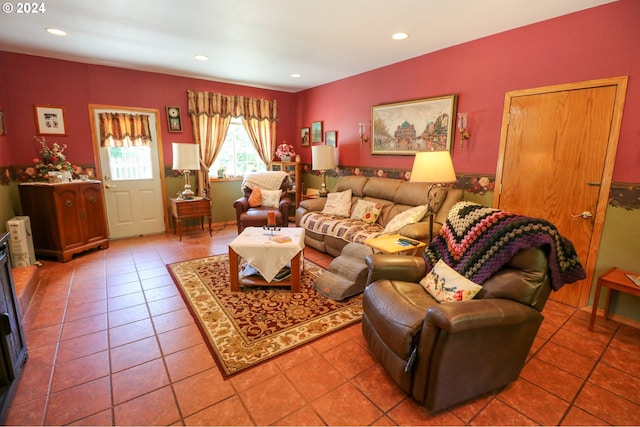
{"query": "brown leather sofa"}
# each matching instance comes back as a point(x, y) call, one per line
point(446, 353)
point(247, 216)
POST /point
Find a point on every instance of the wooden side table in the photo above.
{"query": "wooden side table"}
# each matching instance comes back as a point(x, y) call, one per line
point(615, 280)
point(192, 208)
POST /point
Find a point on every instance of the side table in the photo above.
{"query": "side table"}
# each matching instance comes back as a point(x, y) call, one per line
point(615, 280)
point(191, 208)
point(390, 244)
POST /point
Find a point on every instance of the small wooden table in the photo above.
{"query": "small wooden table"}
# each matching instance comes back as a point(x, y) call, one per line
point(191, 208)
point(615, 280)
point(389, 244)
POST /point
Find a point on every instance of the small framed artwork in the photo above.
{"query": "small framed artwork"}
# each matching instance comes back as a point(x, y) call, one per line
point(316, 132)
point(331, 137)
point(3, 131)
point(304, 137)
point(173, 119)
point(50, 120)
point(405, 128)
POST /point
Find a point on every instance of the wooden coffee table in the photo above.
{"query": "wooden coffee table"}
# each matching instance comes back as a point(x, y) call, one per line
point(255, 245)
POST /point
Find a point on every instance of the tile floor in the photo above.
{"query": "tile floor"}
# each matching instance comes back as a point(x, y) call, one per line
point(112, 343)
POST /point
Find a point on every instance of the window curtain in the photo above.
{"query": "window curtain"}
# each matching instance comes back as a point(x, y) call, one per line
point(211, 114)
point(124, 130)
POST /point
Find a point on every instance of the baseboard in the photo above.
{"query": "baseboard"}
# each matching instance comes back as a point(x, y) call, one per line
point(616, 318)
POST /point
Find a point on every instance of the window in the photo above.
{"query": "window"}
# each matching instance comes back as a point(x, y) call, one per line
point(237, 157)
point(130, 163)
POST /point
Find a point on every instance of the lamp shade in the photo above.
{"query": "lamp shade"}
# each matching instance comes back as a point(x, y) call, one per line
point(186, 156)
point(322, 157)
point(433, 167)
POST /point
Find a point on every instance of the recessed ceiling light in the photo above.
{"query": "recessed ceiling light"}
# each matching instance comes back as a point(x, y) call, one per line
point(296, 75)
point(400, 36)
point(56, 32)
point(201, 57)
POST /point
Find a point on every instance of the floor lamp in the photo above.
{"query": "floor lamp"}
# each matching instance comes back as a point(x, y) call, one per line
point(322, 159)
point(433, 167)
point(186, 157)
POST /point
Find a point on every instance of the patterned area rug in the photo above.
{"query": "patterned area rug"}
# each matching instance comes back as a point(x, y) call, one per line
point(248, 327)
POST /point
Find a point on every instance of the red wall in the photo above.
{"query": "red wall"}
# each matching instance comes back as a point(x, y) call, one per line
point(597, 43)
point(28, 80)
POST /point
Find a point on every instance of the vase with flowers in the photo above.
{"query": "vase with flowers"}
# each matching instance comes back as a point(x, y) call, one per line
point(285, 152)
point(52, 160)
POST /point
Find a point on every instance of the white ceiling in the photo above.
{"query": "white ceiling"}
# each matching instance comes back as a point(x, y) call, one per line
point(261, 42)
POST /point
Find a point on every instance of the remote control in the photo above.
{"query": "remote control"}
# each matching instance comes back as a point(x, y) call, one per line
point(410, 242)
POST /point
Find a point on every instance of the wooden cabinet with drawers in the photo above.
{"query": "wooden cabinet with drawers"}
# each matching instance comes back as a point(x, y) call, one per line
point(66, 218)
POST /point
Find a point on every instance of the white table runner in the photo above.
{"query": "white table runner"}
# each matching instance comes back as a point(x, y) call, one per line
point(268, 256)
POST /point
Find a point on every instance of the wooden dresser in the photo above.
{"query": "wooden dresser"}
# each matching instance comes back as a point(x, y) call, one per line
point(66, 218)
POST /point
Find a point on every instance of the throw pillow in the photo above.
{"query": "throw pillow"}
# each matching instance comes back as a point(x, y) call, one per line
point(338, 204)
point(255, 199)
point(410, 216)
point(366, 211)
point(271, 198)
point(446, 285)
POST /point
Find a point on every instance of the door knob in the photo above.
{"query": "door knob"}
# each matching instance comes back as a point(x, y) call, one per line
point(584, 214)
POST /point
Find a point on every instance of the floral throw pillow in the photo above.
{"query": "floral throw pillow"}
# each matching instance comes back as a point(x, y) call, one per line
point(255, 199)
point(447, 285)
point(271, 198)
point(338, 204)
point(410, 216)
point(366, 211)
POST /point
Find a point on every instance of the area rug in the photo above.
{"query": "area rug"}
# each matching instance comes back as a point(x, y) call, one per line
point(246, 328)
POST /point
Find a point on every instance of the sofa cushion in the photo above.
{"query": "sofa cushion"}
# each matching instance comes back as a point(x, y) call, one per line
point(354, 183)
point(409, 216)
point(381, 188)
point(338, 204)
point(347, 229)
point(366, 211)
point(255, 199)
point(447, 285)
point(271, 198)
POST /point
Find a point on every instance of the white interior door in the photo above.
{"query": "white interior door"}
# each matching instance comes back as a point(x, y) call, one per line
point(132, 182)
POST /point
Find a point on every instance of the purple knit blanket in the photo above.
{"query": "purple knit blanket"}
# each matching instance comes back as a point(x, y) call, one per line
point(477, 241)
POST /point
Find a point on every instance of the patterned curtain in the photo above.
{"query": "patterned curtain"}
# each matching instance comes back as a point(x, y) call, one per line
point(211, 114)
point(124, 130)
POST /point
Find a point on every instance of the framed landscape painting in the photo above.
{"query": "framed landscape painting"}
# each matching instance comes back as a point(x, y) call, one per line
point(405, 128)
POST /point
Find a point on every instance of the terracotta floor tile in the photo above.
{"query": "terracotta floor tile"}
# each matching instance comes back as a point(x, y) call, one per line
point(138, 380)
point(229, 412)
point(305, 416)
point(124, 301)
point(150, 273)
point(172, 320)
point(627, 339)
point(80, 311)
point(43, 336)
point(130, 332)
point(180, 339)
point(156, 282)
point(534, 402)
point(295, 357)
point(578, 417)
point(88, 399)
point(128, 315)
point(84, 326)
point(161, 292)
point(616, 381)
point(202, 390)
point(579, 343)
point(189, 361)
point(166, 305)
point(496, 413)
point(121, 279)
point(566, 359)
point(255, 375)
point(133, 354)
point(155, 408)
point(410, 413)
point(315, 378)
point(81, 296)
point(623, 360)
point(124, 289)
point(30, 413)
point(33, 384)
point(346, 405)
point(359, 360)
point(81, 370)
point(82, 346)
point(271, 400)
point(607, 406)
point(379, 387)
point(103, 418)
point(42, 357)
point(470, 409)
point(330, 341)
point(552, 379)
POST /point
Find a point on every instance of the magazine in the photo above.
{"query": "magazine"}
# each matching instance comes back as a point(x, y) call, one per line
point(635, 278)
point(249, 270)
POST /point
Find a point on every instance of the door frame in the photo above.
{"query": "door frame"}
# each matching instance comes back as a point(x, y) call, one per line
point(96, 148)
point(609, 161)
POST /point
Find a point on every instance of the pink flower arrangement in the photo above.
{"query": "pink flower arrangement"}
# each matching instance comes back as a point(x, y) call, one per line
point(285, 150)
point(51, 159)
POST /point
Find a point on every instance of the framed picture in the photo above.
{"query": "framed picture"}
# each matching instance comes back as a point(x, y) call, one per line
point(173, 119)
point(3, 131)
point(50, 120)
point(316, 132)
point(405, 128)
point(304, 137)
point(331, 137)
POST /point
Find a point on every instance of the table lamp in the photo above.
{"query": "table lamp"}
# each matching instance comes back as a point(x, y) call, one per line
point(322, 159)
point(434, 167)
point(186, 157)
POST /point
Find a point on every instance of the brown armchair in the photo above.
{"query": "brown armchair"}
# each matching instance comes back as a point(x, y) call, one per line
point(247, 216)
point(462, 349)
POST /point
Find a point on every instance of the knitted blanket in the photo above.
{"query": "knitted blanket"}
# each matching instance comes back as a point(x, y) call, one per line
point(271, 180)
point(477, 241)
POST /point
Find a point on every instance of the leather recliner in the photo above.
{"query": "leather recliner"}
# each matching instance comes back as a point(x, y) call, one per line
point(446, 353)
point(247, 216)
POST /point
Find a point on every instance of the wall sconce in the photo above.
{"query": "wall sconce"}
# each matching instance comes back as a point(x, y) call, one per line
point(361, 131)
point(462, 127)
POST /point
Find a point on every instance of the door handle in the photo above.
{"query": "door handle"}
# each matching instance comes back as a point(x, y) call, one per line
point(584, 214)
point(110, 186)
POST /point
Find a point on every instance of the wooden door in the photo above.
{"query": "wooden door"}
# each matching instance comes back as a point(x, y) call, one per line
point(557, 152)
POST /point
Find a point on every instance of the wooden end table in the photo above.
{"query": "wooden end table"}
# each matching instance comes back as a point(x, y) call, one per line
point(389, 244)
point(614, 280)
point(197, 207)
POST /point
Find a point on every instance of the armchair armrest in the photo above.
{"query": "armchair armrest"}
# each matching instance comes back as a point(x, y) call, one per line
point(478, 314)
point(313, 205)
point(395, 267)
point(241, 205)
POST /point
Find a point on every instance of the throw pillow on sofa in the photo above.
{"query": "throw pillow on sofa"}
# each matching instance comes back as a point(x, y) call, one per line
point(366, 211)
point(255, 199)
point(338, 204)
point(447, 285)
point(271, 198)
point(410, 216)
